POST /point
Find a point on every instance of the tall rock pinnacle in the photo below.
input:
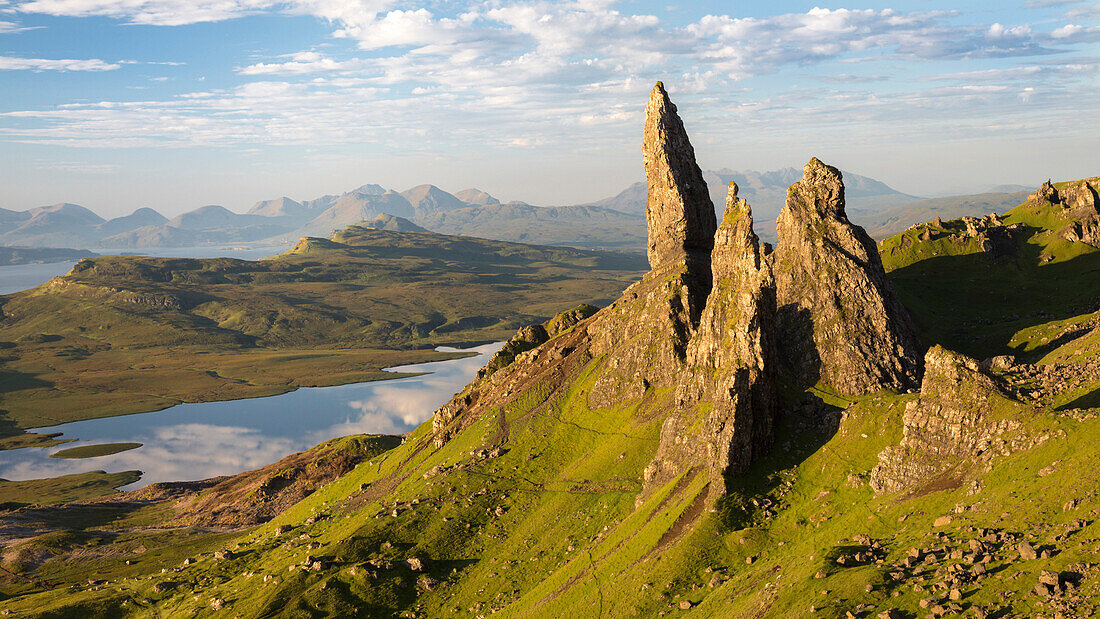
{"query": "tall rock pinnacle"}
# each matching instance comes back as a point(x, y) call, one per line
point(839, 318)
point(730, 370)
point(679, 213)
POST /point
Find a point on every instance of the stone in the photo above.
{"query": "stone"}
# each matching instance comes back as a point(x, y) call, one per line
point(685, 605)
point(417, 564)
point(427, 583)
point(839, 319)
point(730, 362)
point(947, 424)
point(1047, 577)
point(679, 213)
point(942, 521)
point(697, 332)
point(1027, 552)
point(223, 554)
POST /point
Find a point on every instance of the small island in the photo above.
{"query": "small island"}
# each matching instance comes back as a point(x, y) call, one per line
point(94, 451)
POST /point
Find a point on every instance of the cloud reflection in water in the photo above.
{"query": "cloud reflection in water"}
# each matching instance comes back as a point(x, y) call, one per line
point(197, 441)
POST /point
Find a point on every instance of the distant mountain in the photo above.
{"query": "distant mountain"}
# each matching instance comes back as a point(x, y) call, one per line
point(354, 207)
point(616, 222)
point(133, 221)
point(429, 200)
point(155, 236)
point(766, 192)
point(476, 196)
point(892, 221)
point(280, 207)
point(590, 227)
point(211, 216)
point(58, 225)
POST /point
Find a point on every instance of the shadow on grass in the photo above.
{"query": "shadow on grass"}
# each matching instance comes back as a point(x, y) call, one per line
point(1089, 400)
point(975, 304)
point(11, 380)
point(747, 501)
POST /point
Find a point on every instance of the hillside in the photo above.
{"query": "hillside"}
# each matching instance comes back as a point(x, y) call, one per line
point(741, 433)
point(129, 334)
point(891, 221)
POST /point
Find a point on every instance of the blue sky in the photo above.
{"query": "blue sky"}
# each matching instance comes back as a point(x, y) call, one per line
point(119, 104)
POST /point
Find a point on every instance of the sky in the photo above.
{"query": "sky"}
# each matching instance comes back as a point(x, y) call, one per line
point(173, 104)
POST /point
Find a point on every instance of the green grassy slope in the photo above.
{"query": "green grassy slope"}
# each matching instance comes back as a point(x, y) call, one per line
point(530, 510)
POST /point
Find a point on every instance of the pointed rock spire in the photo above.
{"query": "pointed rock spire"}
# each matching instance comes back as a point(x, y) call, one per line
point(731, 365)
point(839, 318)
point(679, 213)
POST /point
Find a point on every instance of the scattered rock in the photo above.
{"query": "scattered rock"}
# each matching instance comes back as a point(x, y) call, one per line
point(1027, 552)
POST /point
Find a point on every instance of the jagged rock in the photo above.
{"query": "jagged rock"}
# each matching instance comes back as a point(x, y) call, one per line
point(839, 318)
point(1045, 193)
point(533, 336)
point(1079, 203)
point(679, 213)
point(645, 334)
point(731, 363)
point(525, 339)
point(951, 422)
point(684, 347)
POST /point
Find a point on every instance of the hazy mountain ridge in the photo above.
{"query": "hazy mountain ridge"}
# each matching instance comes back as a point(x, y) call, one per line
point(615, 222)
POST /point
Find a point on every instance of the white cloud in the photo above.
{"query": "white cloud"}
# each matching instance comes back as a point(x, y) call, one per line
point(302, 62)
point(510, 74)
point(181, 12)
point(14, 63)
point(10, 27)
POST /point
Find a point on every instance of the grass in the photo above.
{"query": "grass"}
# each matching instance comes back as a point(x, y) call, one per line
point(63, 489)
point(551, 526)
point(94, 451)
point(123, 335)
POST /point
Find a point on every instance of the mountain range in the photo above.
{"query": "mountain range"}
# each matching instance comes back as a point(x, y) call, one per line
point(616, 222)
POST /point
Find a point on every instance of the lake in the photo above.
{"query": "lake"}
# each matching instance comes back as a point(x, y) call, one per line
point(16, 277)
point(197, 441)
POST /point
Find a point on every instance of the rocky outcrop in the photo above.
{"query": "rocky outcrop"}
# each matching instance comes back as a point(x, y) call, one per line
point(958, 418)
point(839, 318)
point(1078, 202)
point(645, 334)
point(701, 357)
point(726, 397)
point(532, 336)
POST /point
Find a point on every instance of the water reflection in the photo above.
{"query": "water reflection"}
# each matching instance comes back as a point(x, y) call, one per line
point(196, 441)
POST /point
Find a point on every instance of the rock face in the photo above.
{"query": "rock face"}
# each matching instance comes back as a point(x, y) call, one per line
point(645, 334)
point(839, 318)
point(729, 381)
point(701, 357)
point(958, 416)
point(679, 213)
